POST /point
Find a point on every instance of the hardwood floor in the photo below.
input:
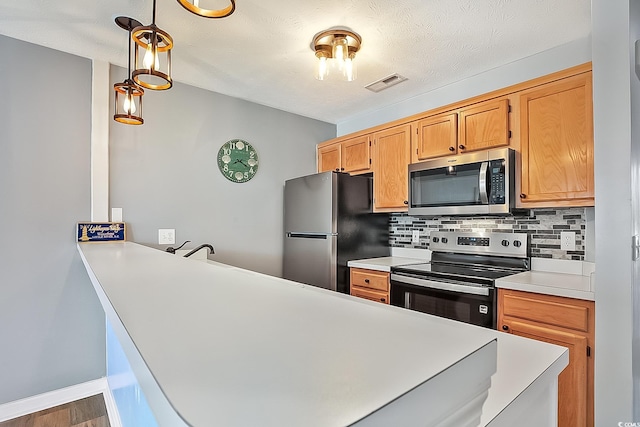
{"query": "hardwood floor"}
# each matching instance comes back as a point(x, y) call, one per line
point(88, 412)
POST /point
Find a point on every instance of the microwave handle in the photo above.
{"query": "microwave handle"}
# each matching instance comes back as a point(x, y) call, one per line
point(483, 183)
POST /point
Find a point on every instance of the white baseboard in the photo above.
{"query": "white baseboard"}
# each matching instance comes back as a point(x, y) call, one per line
point(53, 398)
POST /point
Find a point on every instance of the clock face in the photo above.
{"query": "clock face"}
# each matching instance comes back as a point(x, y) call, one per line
point(238, 160)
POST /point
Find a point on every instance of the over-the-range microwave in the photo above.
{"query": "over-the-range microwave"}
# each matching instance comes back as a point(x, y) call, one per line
point(468, 184)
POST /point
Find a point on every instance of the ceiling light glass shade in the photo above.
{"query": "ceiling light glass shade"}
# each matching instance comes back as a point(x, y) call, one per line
point(128, 103)
point(194, 6)
point(152, 57)
point(336, 50)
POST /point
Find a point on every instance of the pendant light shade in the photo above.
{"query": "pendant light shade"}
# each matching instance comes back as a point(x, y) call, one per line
point(152, 56)
point(194, 6)
point(128, 96)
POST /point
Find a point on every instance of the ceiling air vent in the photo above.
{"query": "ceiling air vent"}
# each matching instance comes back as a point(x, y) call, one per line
point(385, 82)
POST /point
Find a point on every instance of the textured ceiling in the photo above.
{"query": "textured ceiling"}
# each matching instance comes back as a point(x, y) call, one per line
point(262, 52)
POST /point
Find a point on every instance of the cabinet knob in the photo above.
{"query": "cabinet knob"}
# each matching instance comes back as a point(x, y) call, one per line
point(381, 299)
point(523, 196)
point(406, 202)
point(341, 169)
point(452, 149)
point(337, 169)
point(366, 280)
point(461, 147)
point(505, 328)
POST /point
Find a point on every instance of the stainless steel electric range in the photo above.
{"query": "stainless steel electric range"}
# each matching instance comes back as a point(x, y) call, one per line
point(459, 282)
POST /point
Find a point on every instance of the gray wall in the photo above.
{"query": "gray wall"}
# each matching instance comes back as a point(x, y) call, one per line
point(51, 323)
point(612, 136)
point(634, 35)
point(164, 174)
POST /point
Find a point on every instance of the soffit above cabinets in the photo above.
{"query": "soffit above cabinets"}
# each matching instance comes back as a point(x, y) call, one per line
point(262, 53)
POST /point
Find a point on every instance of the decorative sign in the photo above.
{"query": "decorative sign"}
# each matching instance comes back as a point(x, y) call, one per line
point(101, 231)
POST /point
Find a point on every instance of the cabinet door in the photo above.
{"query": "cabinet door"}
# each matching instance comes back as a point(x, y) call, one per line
point(392, 148)
point(330, 158)
point(356, 155)
point(484, 125)
point(437, 136)
point(556, 137)
point(572, 382)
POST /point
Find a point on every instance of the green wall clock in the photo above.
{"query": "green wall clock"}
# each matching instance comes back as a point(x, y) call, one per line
point(238, 160)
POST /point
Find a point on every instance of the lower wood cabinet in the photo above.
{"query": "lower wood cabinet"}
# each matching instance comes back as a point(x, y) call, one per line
point(370, 284)
point(562, 321)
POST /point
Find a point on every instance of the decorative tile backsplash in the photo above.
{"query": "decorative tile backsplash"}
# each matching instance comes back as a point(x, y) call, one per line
point(543, 226)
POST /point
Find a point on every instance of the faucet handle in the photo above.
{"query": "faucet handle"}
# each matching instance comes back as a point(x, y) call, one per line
point(173, 250)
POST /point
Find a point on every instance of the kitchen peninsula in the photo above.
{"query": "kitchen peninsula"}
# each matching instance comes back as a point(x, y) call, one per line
point(214, 344)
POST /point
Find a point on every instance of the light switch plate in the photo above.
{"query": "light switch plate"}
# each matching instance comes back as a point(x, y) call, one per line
point(166, 236)
point(415, 236)
point(116, 214)
point(568, 241)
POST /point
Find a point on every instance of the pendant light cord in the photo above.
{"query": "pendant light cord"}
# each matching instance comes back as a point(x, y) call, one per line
point(153, 21)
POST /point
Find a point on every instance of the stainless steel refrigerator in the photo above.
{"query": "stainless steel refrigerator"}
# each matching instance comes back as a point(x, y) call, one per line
point(328, 221)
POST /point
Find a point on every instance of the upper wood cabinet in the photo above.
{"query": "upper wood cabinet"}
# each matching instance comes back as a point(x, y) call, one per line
point(556, 143)
point(484, 125)
point(475, 127)
point(351, 155)
point(562, 321)
point(437, 136)
point(392, 154)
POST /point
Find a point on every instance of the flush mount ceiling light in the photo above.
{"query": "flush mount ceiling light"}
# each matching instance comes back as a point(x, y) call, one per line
point(336, 49)
point(194, 6)
point(152, 56)
point(128, 96)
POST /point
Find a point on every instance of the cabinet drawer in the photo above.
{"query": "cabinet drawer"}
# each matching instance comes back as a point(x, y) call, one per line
point(382, 297)
point(564, 312)
point(378, 280)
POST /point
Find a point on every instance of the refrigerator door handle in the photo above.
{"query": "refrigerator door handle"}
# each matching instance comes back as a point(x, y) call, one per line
point(311, 235)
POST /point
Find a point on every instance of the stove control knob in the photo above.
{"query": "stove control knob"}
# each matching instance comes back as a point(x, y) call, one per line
point(505, 243)
point(445, 240)
point(435, 240)
point(517, 243)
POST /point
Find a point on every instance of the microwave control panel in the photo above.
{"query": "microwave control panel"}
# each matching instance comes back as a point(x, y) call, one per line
point(498, 182)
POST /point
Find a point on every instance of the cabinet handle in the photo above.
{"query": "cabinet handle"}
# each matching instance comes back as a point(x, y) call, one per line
point(461, 147)
point(523, 196)
point(366, 280)
point(505, 328)
point(406, 202)
point(452, 149)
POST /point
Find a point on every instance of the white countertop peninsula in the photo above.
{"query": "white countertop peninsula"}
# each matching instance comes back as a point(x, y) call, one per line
point(214, 345)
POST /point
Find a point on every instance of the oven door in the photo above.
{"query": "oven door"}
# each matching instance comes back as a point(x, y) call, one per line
point(466, 303)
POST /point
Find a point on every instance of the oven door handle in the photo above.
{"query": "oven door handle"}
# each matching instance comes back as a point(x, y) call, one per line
point(482, 183)
point(444, 286)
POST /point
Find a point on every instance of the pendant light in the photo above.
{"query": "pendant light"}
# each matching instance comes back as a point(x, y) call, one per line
point(128, 96)
point(152, 56)
point(193, 6)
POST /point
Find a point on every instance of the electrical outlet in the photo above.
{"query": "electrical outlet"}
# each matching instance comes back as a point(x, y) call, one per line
point(568, 241)
point(415, 236)
point(166, 236)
